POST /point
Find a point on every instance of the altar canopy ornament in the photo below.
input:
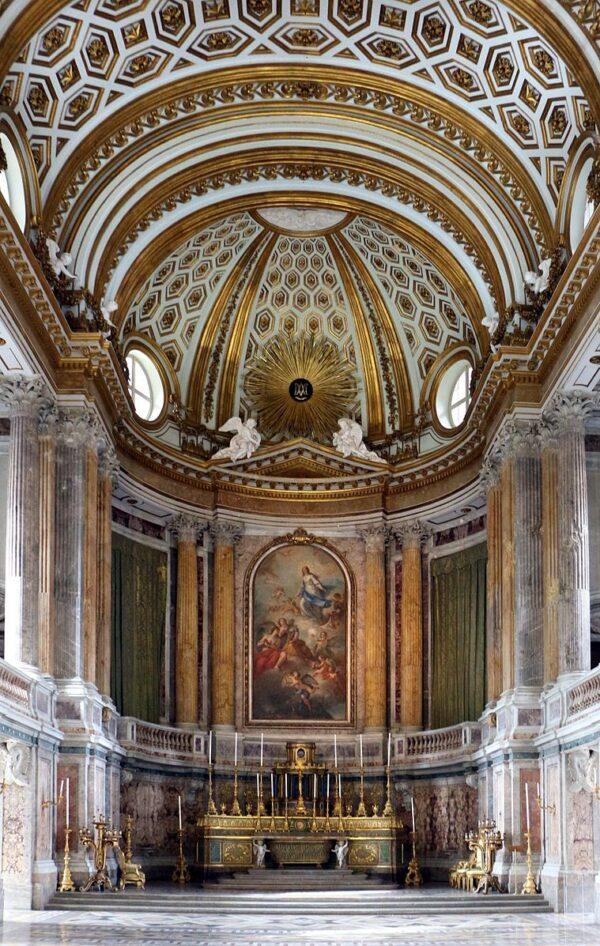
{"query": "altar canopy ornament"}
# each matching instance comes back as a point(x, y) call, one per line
point(299, 386)
point(245, 441)
point(349, 441)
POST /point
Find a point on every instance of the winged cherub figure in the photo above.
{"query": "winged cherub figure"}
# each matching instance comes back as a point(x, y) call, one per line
point(349, 441)
point(243, 444)
point(59, 261)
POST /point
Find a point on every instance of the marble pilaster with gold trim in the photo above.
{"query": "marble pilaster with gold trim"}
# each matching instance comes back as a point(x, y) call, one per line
point(490, 480)
point(411, 537)
point(225, 535)
point(187, 529)
point(107, 471)
point(375, 643)
point(47, 539)
point(550, 549)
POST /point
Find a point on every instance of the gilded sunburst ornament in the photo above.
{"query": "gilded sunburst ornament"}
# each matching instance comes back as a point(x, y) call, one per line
point(300, 386)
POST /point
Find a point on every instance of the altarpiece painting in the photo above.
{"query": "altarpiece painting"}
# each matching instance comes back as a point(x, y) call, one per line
point(299, 636)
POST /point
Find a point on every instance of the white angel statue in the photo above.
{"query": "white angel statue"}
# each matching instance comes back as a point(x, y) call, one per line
point(107, 307)
point(349, 441)
point(260, 852)
point(243, 444)
point(341, 850)
point(539, 282)
point(59, 261)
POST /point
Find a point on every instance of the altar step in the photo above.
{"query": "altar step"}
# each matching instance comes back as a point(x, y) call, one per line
point(394, 901)
point(289, 878)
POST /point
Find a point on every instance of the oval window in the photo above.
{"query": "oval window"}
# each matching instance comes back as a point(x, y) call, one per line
point(145, 385)
point(12, 186)
point(453, 394)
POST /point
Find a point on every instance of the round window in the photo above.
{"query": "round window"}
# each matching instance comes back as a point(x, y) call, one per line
point(145, 385)
point(452, 399)
point(12, 187)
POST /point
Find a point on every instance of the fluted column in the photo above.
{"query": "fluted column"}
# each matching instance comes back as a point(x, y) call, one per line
point(528, 556)
point(568, 412)
point(90, 591)
point(46, 625)
point(187, 530)
point(223, 636)
point(491, 485)
point(107, 471)
point(550, 550)
point(375, 628)
point(411, 618)
point(24, 397)
point(508, 573)
point(77, 432)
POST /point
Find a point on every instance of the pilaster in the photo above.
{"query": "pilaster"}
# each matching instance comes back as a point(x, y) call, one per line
point(411, 537)
point(490, 481)
point(375, 628)
point(225, 535)
point(187, 529)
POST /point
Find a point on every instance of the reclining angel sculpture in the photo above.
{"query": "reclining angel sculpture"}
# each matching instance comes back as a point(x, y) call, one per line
point(243, 444)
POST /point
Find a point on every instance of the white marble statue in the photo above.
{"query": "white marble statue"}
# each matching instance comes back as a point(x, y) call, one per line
point(539, 282)
point(107, 307)
point(14, 762)
point(243, 444)
point(341, 852)
point(349, 441)
point(59, 261)
point(260, 851)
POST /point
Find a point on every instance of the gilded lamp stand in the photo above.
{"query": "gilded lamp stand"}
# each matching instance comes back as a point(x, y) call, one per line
point(66, 884)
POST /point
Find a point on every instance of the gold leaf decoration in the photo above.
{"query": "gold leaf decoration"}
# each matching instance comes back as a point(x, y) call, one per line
point(312, 358)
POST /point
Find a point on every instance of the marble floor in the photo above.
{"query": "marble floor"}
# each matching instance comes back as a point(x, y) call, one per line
point(89, 928)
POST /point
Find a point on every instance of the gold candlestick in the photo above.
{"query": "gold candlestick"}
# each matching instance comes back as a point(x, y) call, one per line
point(261, 804)
point(66, 884)
point(327, 821)
point(181, 874)
point(286, 823)
point(362, 811)
point(387, 809)
point(272, 812)
point(211, 807)
point(529, 887)
point(313, 824)
point(300, 806)
point(414, 878)
point(235, 808)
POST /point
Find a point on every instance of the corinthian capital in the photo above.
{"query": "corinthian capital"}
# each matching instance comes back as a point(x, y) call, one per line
point(108, 464)
point(411, 535)
point(374, 536)
point(187, 528)
point(226, 533)
point(520, 438)
point(568, 410)
point(79, 427)
point(24, 396)
point(489, 476)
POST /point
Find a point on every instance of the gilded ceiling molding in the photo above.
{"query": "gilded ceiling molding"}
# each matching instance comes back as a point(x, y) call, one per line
point(399, 394)
point(332, 87)
point(540, 14)
point(178, 233)
point(309, 165)
point(232, 352)
point(207, 361)
point(370, 362)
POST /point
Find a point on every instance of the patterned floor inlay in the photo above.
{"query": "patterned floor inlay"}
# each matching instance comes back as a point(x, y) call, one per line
point(88, 928)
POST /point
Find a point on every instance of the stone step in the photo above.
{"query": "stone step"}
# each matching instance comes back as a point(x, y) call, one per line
point(396, 902)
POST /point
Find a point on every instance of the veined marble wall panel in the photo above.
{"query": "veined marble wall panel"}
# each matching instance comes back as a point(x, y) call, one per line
point(17, 845)
point(579, 813)
point(552, 819)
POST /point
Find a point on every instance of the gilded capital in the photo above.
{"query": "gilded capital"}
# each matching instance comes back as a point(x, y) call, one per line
point(568, 410)
point(411, 535)
point(520, 438)
point(374, 536)
point(23, 395)
point(226, 533)
point(187, 528)
point(79, 427)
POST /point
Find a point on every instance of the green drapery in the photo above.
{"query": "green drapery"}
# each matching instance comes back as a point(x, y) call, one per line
point(139, 594)
point(458, 591)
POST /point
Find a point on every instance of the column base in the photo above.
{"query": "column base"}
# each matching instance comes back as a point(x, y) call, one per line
point(571, 891)
point(45, 874)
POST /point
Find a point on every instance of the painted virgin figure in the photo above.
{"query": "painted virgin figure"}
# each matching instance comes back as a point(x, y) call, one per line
point(299, 655)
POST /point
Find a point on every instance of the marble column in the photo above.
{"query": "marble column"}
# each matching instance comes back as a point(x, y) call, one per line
point(107, 472)
point(25, 397)
point(411, 621)
point(187, 530)
point(90, 588)
point(567, 413)
point(528, 624)
point(225, 535)
point(490, 481)
point(550, 549)
point(375, 629)
point(508, 573)
point(46, 625)
point(77, 431)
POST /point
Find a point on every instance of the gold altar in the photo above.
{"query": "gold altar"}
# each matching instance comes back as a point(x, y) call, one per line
point(304, 817)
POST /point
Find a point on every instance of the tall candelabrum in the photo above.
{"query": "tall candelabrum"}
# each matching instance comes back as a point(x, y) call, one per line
point(99, 840)
point(211, 807)
point(181, 874)
point(362, 810)
point(529, 887)
point(66, 884)
point(387, 808)
point(235, 807)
